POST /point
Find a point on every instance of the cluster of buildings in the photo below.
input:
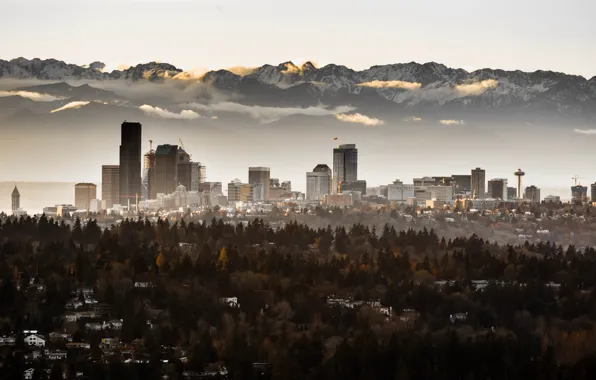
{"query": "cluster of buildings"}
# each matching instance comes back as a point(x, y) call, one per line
point(167, 178)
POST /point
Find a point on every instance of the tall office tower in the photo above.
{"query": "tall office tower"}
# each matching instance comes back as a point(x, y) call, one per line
point(238, 191)
point(593, 192)
point(318, 184)
point(184, 169)
point(478, 183)
point(211, 187)
point(497, 188)
point(533, 194)
point(110, 185)
point(149, 174)
point(511, 192)
point(322, 168)
point(260, 175)
point(166, 169)
point(579, 194)
point(16, 199)
point(198, 175)
point(84, 194)
point(130, 163)
point(463, 183)
point(345, 165)
point(353, 186)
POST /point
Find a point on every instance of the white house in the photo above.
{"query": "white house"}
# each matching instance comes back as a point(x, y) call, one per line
point(28, 375)
point(55, 354)
point(230, 301)
point(35, 340)
point(8, 340)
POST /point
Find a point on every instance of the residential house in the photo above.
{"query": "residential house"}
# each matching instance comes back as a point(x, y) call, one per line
point(78, 345)
point(230, 301)
point(458, 317)
point(35, 340)
point(109, 343)
point(60, 337)
point(28, 375)
point(9, 340)
point(93, 326)
point(144, 284)
point(55, 355)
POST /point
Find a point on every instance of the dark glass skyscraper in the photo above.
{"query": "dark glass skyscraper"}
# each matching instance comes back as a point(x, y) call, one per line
point(345, 165)
point(166, 169)
point(130, 163)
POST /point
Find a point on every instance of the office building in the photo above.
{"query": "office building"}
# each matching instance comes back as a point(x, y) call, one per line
point(478, 183)
point(166, 169)
point(318, 184)
point(511, 192)
point(579, 194)
point(97, 205)
point(552, 199)
point(110, 185)
point(533, 194)
point(593, 192)
point(260, 175)
point(198, 175)
point(497, 188)
point(239, 192)
point(353, 186)
point(130, 162)
point(148, 181)
point(345, 165)
point(84, 194)
point(398, 192)
point(440, 193)
point(463, 183)
point(15, 200)
point(211, 187)
point(424, 181)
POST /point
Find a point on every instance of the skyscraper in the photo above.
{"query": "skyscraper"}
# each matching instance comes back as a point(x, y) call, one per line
point(478, 183)
point(322, 168)
point(318, 184)
point(198, 175)
point(166, 169)
point(130, 163)
point(84, 194)
point(239, 192)
point(16, 200)
point(345, 165)
point(149, 174)
point(260, 175)
point(184, 170)
point(593, 192)
point(110, 185)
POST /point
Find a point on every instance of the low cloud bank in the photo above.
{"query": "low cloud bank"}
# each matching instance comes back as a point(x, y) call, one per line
point(269, 114)
point(71, 105)
point(359, 119)
point(391, 84)
point(35, 96)
point(452, 122)
point(585, 131)
point(165, 114)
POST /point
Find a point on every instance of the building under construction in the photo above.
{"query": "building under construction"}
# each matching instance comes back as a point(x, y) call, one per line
point(148, 183)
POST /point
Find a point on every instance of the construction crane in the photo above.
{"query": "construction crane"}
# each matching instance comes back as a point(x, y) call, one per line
point(575, 178)
point(182, 145)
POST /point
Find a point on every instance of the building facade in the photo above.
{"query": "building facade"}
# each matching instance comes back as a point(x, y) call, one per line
point(497, 188)
point(260, 175)
point(353, 186)
point(478, 183)
point(15, 200)
point(579, 194)
point(166, 169)
point(130, 162)
point(593, 192)
point(398, 192)
point(148, 181)
point(533, 194)
point(318, 184)
point(463, 183)
point(110, 184)
point(239, 192)
point(84, 194)
point(345, 165)
point(198, 175)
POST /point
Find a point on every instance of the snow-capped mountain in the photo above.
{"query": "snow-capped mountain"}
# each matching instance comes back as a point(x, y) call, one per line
point(404, 85)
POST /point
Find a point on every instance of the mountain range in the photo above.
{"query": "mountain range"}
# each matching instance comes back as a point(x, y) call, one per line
point(385, 87)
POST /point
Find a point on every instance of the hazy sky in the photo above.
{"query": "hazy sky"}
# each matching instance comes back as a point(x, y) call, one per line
point(527, 35)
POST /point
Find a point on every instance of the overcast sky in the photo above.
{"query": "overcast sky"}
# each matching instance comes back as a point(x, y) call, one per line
point(521, 34)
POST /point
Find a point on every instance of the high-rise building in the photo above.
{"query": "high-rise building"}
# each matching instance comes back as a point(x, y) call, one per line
point(533, 194)
point(463, 183)
point(198, 175)
point(318, 184)
point(184, 170)
point(345, 165)
point(322, 168)
point(511, 192)
point(398, 192)
point(593, 192)
point(239, 192)
point(15, 200)
point(211, 187)
point(579, 194)
point(84, 194)
point(497, 188)
point(110, 185)
point(148, 181)
point(166, 169)
point(478, 183)
point(260, 175)
point(130, 163)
